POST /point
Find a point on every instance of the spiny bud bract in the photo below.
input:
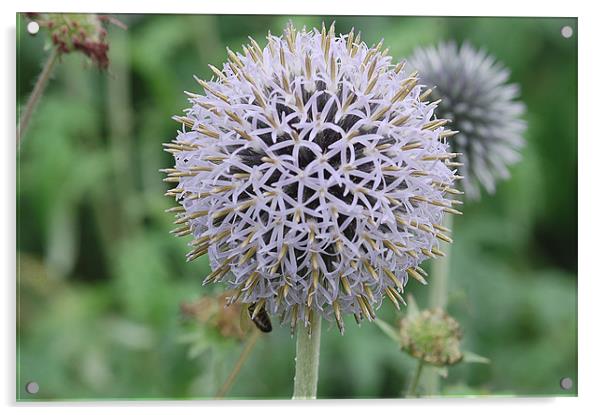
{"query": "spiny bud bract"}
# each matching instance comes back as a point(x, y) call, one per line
point(313, 175)
point(432, 336)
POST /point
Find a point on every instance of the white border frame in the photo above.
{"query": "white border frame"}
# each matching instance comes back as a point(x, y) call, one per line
point(590, 149)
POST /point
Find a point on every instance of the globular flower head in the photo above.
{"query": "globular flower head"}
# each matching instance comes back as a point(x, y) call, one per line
point(313, 175)
point(433, 336)
point(482, 106)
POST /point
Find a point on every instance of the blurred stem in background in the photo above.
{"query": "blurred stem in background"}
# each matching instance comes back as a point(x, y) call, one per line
point(307, 361)
point(415, 379)
point(438, 299)
point(36, 94)
point(119, 110)
point(246, 352)
point(109, 203)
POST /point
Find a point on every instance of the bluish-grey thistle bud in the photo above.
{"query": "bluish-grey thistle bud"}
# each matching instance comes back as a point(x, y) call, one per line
point(483, 107)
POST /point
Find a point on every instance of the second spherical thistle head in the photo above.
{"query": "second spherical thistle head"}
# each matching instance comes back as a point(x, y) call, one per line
point(314, 174)
point(481, 104)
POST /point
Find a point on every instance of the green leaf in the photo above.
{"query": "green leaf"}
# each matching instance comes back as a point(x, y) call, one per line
point(388, 329)
point(470, 357)
point(412, 308)
point(442, 371)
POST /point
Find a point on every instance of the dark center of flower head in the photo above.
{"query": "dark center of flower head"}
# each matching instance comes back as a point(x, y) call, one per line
point(313, 174)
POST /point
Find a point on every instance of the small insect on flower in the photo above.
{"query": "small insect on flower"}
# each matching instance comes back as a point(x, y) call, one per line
point(482, 105)
point(260, 318)
point(314, 174)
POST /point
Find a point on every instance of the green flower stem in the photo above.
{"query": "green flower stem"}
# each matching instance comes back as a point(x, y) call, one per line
point(438, 291)
point(416, 379)
point(440, 273)
point(307, 361)
point(36, 94)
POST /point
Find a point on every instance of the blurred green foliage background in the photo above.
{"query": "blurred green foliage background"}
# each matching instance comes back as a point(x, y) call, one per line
point(101, 280)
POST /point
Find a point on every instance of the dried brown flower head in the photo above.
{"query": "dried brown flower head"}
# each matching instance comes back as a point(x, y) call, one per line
point(85, 33)
point(212, 311)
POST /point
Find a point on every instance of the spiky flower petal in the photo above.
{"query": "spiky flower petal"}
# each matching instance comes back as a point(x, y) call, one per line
point(482, 105)
point(313, 175)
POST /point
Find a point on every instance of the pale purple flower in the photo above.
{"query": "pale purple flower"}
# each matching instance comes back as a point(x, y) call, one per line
point(314, 176)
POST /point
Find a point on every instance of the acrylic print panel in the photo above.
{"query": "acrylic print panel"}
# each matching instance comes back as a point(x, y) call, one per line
point(313, 183)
